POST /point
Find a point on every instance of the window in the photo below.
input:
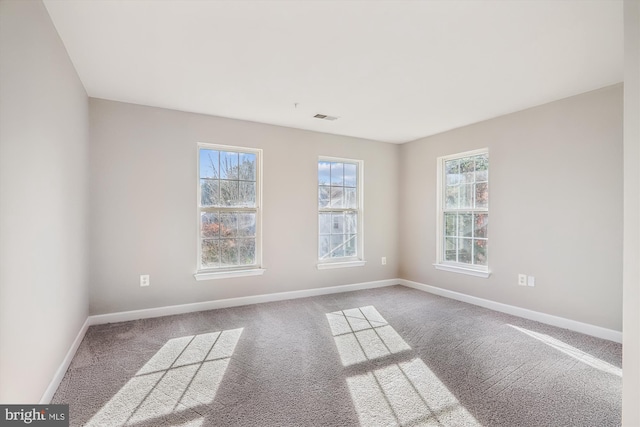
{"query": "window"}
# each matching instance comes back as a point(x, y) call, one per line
point(463, 213)
point(228, 211)
point(339, 213)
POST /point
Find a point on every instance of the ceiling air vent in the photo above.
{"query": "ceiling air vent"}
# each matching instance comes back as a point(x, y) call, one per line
point(325, 117)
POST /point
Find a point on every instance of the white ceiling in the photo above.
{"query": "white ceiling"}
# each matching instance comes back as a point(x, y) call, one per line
point(391, 71)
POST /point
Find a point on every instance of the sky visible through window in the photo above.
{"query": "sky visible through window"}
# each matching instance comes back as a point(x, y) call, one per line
point(338, 209)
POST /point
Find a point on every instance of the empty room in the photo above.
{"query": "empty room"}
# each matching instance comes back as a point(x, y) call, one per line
point(319, 213)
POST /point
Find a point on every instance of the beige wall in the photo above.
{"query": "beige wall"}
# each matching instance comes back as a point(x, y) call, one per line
point(143, 206)
point(631, 309)
point(555, 207)
point(43, 175)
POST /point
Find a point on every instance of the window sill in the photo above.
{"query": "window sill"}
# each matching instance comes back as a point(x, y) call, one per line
point(212, 275)
point(462, 270)
point(330, 265)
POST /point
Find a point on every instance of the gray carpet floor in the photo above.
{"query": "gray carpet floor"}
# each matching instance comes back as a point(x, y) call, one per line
point(388, 356)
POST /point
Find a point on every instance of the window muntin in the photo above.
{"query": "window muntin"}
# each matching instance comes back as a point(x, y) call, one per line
point(464, 210)
point(228, 208)
point(339, 210)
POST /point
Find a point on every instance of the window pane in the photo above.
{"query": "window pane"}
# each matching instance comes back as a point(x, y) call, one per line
point(467, 170)
point(324, 173)
point(480, 252)
point(228, 165)
point(351, 223)
point(228, 224)
point(210, 253)
point(228, 179)
point(337, 245)
point(482, 162)
point(481, 221)
point(247, 194)
point(481, 166)
point(350, 198)
point(452, 172)
point(229, 193)
point(324, 196)
point(228, 252)
point(451, 201)
point(337, 197)
point(350, 246)
point(246, 251)
point(209, 163)
point(450, 224)
point(324, 223)
point(482, 195)
point(323, 246)
point(350, 175)
point(209, 192)
point(247, 166)
point(464, 250)
point(338, 191)
point(337, 174)
point(466, 196)
point(209, 224)
point(465, 225)
point(246, 224)
point(337, 223)
point(450, 249)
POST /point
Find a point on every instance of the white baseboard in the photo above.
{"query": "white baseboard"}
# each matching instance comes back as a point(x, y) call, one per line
point(188, 308)
point(62, 369)
point(124, 316)
point(561, 322)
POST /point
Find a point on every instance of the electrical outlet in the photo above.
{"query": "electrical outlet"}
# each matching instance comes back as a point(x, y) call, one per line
point(522, 279)
point(144, 280)
point(384, 260)
point(531, 281)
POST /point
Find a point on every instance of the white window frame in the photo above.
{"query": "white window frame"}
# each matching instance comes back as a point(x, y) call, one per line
point(255, 269)
point(343, 262)
point(441, 264)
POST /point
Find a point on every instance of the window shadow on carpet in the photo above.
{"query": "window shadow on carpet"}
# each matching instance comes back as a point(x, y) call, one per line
point(406, 393)
point(185, 373)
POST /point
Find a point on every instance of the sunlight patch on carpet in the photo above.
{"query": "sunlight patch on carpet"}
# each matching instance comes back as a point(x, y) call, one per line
point(186, 372)
point(577, 354)
point(362, 334)
point(406, 394)
point(197, 422)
